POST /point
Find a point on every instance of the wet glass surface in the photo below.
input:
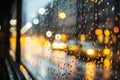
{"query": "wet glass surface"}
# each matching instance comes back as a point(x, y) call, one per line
point(71, 39)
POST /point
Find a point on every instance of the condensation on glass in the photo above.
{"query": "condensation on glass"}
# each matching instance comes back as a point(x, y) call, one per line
point(71, 39)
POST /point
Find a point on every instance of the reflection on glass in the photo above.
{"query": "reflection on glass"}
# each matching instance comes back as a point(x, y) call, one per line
point(107, 66)
point(12, 29)
point(70, 39)
point(12, 47)
point(90, 71)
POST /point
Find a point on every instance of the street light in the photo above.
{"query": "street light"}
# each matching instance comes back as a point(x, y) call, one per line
point(41, 11)
point(62, 15)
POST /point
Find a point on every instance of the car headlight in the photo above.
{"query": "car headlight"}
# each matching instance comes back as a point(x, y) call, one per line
point(91, 52)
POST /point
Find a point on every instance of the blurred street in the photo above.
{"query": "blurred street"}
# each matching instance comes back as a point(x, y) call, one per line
point(56, 64)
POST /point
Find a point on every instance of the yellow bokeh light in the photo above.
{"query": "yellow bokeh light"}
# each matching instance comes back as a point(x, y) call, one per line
point(37, 41)
point(47, 44)
point(107, 67)
point(106, 39)
point(107, 63)
point(64, 37)
point(73, 47)
point(82, 38)
point(89, 78)
point(107, 32)
point(13, 40)
point(22, 40)
point(56, 45)
point(62, 15)
point(100, 39)
point(106, 51)
point(22, 68)
point(90, 72)
point(114, 38)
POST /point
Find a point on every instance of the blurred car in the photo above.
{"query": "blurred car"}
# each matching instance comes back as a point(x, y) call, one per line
point(59, 45)
point(72, 45)
point(92, 50)
point(74, 48)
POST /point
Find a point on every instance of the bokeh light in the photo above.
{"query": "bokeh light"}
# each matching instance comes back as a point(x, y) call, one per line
point(107, 32)
point(62, 15)
point(41, 11)
point(116, 29)
point(35, 21)
point(58, 36)
point(91, 52)
point(98, 32)
point(106, 51)
point(48, 33)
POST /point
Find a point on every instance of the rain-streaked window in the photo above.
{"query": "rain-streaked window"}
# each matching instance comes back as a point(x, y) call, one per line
point(71, 39)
